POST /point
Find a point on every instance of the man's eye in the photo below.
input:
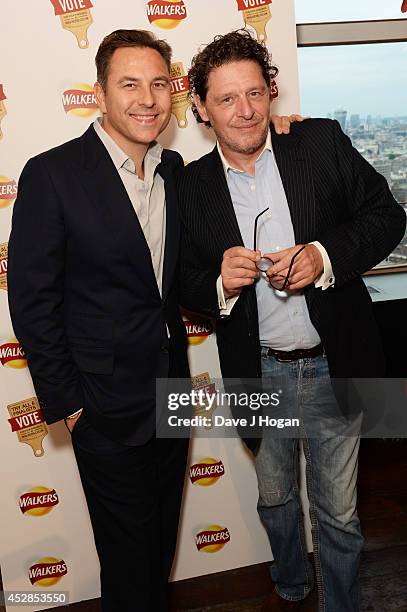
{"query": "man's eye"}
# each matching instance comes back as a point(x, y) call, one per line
point(227, 100)
point(160, 85)
point(254, 94)
point(130, 85)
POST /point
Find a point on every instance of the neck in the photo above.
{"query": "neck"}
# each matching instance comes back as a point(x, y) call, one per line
point(136, 152)
point(242, 161)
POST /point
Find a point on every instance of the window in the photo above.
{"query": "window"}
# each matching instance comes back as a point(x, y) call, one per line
point(310, 11)
point(356, 73)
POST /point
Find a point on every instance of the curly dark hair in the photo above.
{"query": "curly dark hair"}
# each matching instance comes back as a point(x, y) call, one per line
point(232, 47)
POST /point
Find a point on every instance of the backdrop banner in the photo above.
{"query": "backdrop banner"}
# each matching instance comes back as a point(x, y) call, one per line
point(46, 98)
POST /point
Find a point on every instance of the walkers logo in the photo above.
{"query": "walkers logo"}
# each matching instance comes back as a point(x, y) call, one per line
point(76, 17)
point(257, 14)
point(198, 330)
point(3, 265)
point(39, 501)
point(206, 472)
point(27, 421)
point(212, 539)
point(47, 571)
point(166, 14)
point(8, 191)
point(3, 110)
point(12, 355)
point(180, 93)
point(80, 100)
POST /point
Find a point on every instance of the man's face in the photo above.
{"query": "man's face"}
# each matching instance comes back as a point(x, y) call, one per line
point(136, 105)
point(238, 106)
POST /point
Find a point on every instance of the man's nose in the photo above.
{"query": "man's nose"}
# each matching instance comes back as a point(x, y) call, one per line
point(244, 108)
point(146, 97)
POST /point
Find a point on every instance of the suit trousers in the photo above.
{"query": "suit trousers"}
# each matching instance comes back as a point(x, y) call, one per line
point(134, 496)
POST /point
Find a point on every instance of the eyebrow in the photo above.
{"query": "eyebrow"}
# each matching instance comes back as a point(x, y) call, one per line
point(228, 94)
point(136, 80)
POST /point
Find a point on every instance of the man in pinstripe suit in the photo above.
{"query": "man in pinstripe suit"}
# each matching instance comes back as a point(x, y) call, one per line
point(325, 216)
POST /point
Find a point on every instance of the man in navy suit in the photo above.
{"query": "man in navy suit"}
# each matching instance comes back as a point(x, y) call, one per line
point(300, 315)
point(94, 302)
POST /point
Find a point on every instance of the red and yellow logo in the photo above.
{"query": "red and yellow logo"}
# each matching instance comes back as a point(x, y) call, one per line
point(212, 539)
point(80, 100)
point(257, 14)
point(8, 191)
point(27, 421)
point(198, 330)
point(47, 571)
point(38, 501)
point(76, 17)
point(179, 93)
point(206, 472)
point(3, 110)
point(12, 355)
point(166, 14)
point(3, 265)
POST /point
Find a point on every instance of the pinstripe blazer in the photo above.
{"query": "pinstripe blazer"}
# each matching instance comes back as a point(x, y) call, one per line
point(334, 197)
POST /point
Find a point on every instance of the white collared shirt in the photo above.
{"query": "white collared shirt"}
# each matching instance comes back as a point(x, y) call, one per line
point(147, 196)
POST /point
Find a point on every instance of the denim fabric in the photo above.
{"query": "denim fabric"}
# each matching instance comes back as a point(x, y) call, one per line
point(331, 471)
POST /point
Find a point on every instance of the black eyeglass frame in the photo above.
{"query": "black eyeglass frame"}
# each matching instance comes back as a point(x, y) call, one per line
point(265, 262)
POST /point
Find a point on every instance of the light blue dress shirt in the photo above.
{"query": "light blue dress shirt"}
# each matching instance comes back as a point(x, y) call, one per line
point(284, 322)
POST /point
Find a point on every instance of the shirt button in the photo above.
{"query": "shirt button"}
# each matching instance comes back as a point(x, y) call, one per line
point(253, 187)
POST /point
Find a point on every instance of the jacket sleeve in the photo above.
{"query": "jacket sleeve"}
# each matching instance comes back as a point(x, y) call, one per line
point(197, 278)
point(197, 284)
point(36, 269)
point(375, 221)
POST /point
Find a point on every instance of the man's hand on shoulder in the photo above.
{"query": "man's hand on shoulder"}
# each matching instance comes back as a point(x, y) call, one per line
point(238, 270)
point(307, 267)
point(282, 123)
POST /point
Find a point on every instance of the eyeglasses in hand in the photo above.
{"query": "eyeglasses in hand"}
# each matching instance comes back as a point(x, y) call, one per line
point(278, 282)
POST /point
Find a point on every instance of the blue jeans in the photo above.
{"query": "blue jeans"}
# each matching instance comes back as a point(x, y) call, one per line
point(331, 472)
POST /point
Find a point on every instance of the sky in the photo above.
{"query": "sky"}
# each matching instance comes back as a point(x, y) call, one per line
point(362, 79)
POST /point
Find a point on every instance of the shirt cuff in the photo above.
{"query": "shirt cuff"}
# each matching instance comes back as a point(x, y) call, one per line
point(71, 416)
point(327, 279)
point(225, 305)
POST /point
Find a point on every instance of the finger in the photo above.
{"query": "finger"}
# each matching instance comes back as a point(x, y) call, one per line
point(240, 251)
point(235, 263)
point(239, 273)
point(294, 118)
point(238, 283)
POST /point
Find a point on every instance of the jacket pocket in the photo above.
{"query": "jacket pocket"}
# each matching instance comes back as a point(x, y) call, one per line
point(94, 360)
point(88, 330)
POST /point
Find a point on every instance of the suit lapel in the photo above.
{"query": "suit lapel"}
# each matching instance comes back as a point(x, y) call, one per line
point(216, 203)
point(172, 232)
point(105, 188)
point(295, 169)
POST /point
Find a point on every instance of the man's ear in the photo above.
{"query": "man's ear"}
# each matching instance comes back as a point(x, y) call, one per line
point(100, 97)
point(200, 107)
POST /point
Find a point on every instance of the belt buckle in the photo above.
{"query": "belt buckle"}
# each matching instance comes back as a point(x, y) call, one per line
point(284, 360)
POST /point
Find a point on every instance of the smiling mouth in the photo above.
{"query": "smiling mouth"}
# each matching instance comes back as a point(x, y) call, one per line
point(144, 119)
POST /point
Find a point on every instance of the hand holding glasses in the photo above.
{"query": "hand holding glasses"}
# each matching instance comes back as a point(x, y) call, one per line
point(278, 282)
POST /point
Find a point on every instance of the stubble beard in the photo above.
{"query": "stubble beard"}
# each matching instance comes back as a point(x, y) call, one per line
point(237, 147)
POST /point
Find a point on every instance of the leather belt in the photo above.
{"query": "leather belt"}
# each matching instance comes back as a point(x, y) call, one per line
point(296, 354)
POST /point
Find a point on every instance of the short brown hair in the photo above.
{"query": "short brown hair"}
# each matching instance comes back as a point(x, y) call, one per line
point(232, 47)
point(127, 38)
